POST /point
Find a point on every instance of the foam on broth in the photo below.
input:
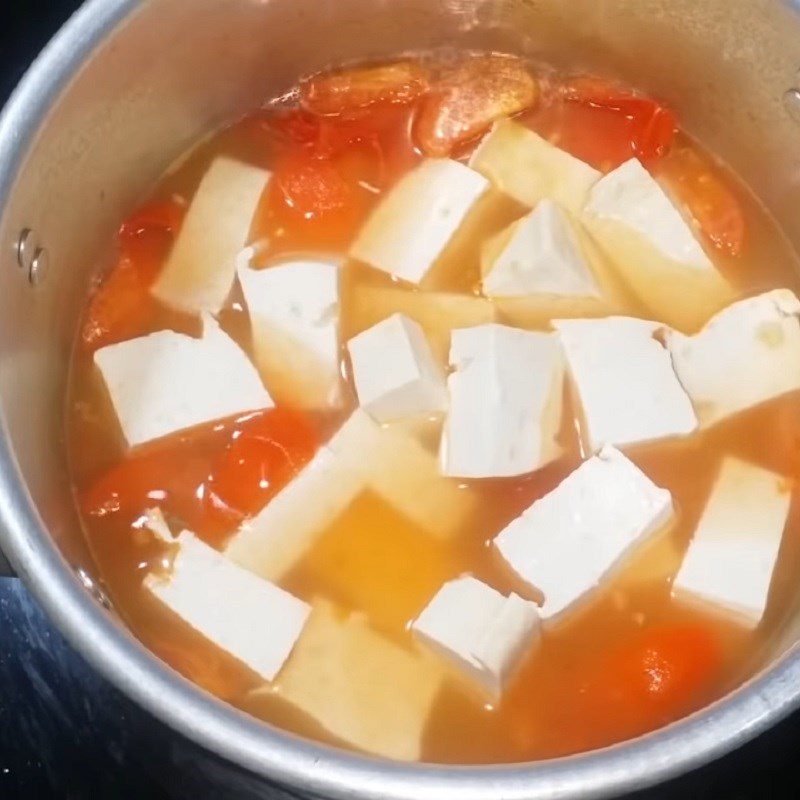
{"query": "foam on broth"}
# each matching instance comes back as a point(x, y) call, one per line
point(376, 561)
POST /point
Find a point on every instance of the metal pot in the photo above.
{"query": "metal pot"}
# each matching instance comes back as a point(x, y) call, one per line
point(126, 87)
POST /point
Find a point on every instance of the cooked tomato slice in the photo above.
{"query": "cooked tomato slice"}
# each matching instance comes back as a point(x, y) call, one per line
point(267, 450)
point(337, 92)
point(468, 98)
point(605, 125)
point(697, 183)
point(121, 307)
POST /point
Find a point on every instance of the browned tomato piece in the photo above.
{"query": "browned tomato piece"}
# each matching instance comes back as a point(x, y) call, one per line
point(469, 97)
point(337, 92)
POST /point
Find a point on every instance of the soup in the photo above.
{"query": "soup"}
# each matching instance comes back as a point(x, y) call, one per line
point(446, 410)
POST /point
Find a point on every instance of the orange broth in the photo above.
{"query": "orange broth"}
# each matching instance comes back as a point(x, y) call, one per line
point(590, 682)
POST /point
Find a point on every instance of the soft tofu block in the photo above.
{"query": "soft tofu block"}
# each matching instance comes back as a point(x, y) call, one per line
point(437, 312)
point(275, 539)
point(623, 380)
point(395, 372)
point(415, 220)
point(527, 167)
point(360, 686)
point(361, 455)
point(201, 267)
point(250, 619)
point(405, 474)
point(729, 564)
point(154, 522)
point(482, 633)
point(654, 249)
point(506, 391)
point(167, 382)
point(572, 539)
point(746, 355)
point(294, 318)
point(544, 266)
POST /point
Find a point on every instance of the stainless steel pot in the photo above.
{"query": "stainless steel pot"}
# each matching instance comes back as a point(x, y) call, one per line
point(126, 87)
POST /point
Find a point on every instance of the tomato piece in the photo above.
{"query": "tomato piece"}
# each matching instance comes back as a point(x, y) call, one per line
point(698, 185)
point(468, 98)
point(267, 450)
point(334, 93)
point(121, 306)
point(168, 477)
point(604, 124)
point(644, 683)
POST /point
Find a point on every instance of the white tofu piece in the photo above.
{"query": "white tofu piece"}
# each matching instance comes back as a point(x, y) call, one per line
point(252, 620)
point(167, 381)
point(415, 220)
point(294, 318)
point(729, 564)
point(506, 392)
point(654, 248)
point(403, 473)
point(395, 372)
point(541, 254)
point(153, 521)
point(361, 455)
point(747, 354)
point(201, 267)
point(360, 686)
point(624, 381)
point(575, 537)
point(274, 541)
point(437, 312)
point(527, 167)
point(479, 631)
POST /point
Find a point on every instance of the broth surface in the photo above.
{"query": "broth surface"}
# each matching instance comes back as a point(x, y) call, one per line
point(571, 693)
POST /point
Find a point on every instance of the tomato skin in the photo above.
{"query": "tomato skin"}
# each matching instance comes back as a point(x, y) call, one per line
point(605, 125)
point(337, 92)
point(698, 185)
point(266, 451)
point(646, 682)
point(121, 306)
point(207, 479)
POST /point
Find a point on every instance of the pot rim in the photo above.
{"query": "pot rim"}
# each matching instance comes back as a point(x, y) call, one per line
point(258, 747)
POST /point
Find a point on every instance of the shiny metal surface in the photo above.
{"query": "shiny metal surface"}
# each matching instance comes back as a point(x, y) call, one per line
point(126, 87)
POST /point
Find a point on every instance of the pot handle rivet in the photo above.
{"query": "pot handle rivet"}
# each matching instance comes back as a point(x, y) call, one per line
point(40, 266)
point(791, 102)
point(27, 245)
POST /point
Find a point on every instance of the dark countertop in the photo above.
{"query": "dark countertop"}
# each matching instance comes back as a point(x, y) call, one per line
point(66, 733)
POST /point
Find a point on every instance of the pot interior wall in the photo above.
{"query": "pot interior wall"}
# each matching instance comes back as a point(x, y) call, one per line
point(175, 70)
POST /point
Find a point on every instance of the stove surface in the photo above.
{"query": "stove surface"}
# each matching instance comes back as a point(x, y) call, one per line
point(66, 733)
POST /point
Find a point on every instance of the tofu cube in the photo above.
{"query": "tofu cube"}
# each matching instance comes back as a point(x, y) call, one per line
point(438, 313)
point(483, 634)
point(574, 538)
point(361, 456)
point(728, 567)
point(624, 382)
point(395, 371)
point(414, 222)
point(166, 382)
point(252, 620)
point(154, 523)
point(654, 249)
point(506, 392)
point(272, 542)
point(360, 686)
point(544, 266)
point(527, 167)
point(746, 355)
point(294, 318)
point(201, 267)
